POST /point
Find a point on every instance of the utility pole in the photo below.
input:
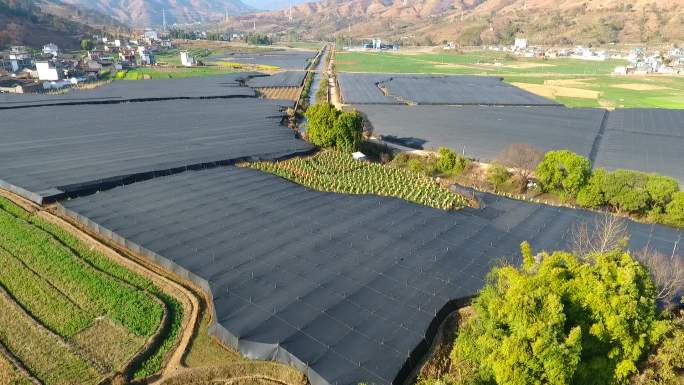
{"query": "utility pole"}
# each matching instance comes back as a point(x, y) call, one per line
point(290, 14)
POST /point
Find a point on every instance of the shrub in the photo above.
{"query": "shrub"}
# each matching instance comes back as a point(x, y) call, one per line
point(667, 364)
point(674, 213)
point(450, 163)
point(560, 320)
point(498, 175)
point(563, 172)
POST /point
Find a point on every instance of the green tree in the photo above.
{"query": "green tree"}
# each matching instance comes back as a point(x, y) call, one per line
point(626, 190)
point(591, 195)
point(560, 320)
point(563, 172)
point(661, 189)
point(674, 213)
point(320, 122)
point(347, 128)
point(87, 44)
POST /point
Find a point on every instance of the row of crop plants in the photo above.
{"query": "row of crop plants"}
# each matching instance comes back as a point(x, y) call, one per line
point(84, 316)
point(336, 171)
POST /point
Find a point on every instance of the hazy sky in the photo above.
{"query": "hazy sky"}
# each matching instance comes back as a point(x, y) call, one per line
point(273, 4)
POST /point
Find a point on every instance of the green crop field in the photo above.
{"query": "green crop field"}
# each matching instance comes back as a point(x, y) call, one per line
point(575, 83)
point(81, 312)
point(336, 171)
point(154, 73)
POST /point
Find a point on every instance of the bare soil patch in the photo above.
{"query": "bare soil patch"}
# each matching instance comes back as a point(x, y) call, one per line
point(640, 87)
point(551, 91)
point(284, 93)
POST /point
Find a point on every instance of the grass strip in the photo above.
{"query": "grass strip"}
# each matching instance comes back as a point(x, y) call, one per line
point(339, 172)
point(43, 353)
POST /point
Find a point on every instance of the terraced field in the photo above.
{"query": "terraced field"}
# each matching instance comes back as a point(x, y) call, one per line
point(82, 316)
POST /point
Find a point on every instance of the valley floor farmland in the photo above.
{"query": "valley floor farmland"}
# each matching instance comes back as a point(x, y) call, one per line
point(82, 316)
point(575, 83)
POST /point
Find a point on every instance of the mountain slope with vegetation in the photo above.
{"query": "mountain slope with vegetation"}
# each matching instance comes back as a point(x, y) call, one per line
point(475, 22)
point(25, 23)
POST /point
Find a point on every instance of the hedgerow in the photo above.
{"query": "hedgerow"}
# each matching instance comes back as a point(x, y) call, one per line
point(648, 195)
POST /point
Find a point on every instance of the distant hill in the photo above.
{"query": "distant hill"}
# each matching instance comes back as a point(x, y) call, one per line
point(37, 22)
point(140, 13)
point(474, 22)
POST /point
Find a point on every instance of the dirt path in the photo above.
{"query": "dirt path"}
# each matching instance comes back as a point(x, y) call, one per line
point(187, 298)
point(332, 81)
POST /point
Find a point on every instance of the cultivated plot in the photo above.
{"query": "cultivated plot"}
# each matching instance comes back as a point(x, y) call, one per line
point(426, 89)
point(347, 288)
point(648, 140)
point(289, 60)
point(282, 79)
point(57, 150)
point(225, 86)
point(484, 132)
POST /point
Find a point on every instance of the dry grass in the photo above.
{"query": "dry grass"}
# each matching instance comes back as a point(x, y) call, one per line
point(438, 362)
point(640, 87)
point(246, 372)
point(108, 344)
point(9, 375)
point(284, 93)
point(553, 91)
point(42, 352)
point(205, 351)
point(209, 362)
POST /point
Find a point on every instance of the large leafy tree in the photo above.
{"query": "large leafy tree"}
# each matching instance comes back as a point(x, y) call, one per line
point(320, 121)
point(563, 172)
point(328, 127)
point(560, 320)
point(347, 129)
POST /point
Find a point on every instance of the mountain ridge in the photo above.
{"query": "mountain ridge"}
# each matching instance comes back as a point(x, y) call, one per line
point(475, 22)
point(142, 13)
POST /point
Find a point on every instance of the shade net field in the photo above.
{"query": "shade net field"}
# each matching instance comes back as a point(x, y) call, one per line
point(57, 150)
point(363, 89)
point(288, 60)
point(224, 86)
point(347, 288)
point(425, 89)
point(484, 132)
point(650, 140)
point(282, 79)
